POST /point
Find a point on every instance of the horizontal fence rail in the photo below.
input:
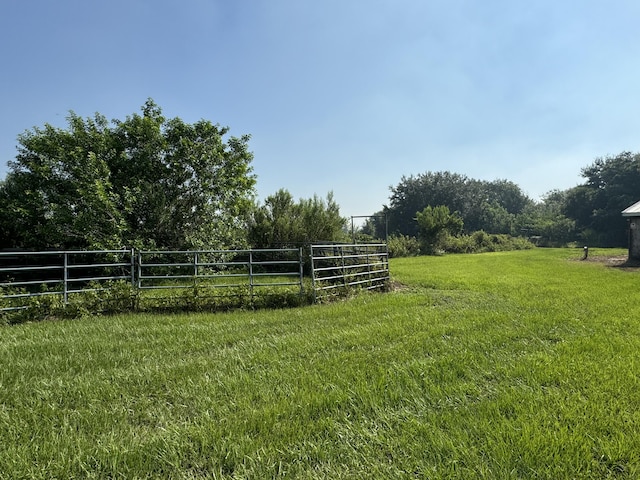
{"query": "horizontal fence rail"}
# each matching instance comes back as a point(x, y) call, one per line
point(336, 267)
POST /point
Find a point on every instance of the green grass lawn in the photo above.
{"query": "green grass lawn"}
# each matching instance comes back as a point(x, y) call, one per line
point(507, 365)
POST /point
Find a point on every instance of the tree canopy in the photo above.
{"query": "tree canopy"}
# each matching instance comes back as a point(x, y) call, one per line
point(481, 204)
point(590, 212)
point(145, 181)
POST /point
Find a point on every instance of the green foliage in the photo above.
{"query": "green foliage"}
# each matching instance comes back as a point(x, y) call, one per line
point(59, 193)
point(282, 222)
point(435, 224)
point(496, 219)
point(106, 298)
point(119, 297)
point(482, 242)
point(403, 246)
point(481, 204)
point(497, 207)
point(10, 213)
point(203, 298)
point(546, 221)
point(144, 182)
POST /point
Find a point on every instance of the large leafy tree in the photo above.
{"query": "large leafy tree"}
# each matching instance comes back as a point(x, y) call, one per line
point(414, 193)
point(481, 204)
point(146, 181)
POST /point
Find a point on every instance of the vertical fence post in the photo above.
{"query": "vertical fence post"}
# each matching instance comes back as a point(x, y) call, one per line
point(386, 257)
point(369, 267)
point(251, 274)
point(195, 269)
point(65, 275)
point(301, 268)
point(132, 258)
point(313, 274)
point(344, 272)
point(139, 269)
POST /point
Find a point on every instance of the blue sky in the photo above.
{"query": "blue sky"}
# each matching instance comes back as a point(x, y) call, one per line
point(344, 95)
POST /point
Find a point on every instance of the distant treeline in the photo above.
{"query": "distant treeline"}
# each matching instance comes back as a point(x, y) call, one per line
point(589, 213)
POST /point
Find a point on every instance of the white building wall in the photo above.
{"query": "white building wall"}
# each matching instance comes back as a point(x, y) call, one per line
point(634, 238)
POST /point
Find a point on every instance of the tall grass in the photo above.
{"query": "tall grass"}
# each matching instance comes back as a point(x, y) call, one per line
point(506, 365)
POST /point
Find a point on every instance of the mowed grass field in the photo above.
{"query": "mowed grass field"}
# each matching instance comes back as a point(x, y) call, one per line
point(507, 365)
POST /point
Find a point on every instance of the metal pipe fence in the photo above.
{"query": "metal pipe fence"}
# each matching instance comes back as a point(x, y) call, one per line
point(34, 274)
point(336, 267)
point(24, 275)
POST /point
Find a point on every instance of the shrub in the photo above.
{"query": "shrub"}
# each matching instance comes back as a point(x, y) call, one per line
point(480, 241)
point(435, 224)
point(403, 246)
